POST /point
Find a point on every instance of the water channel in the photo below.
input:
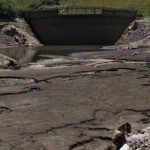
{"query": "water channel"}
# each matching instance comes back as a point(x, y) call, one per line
point(25, 55)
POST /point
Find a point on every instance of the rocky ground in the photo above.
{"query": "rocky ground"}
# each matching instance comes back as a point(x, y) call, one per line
point(16, 33)
point(136, 36)
point(74, 102)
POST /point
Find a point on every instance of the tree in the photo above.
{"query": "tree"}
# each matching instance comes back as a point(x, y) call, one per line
point(8, 8)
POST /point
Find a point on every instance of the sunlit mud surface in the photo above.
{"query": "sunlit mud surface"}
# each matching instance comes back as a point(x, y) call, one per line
point(73, 101)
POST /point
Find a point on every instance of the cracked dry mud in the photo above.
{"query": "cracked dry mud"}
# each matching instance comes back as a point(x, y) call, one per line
point(72, 108)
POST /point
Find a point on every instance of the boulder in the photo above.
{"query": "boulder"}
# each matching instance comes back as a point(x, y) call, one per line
point(7, 63)
point(20, 36)
point(145, 42)
point(136, 36)
point(10, 30)
point(124, 140)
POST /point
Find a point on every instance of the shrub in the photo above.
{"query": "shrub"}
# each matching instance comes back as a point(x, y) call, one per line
point(51, 2)
point(8, 8)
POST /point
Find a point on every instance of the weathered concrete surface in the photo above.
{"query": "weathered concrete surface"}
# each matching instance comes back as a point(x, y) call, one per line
point(67, 105)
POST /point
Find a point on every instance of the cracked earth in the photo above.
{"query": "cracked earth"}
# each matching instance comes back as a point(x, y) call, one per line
point(74, 102)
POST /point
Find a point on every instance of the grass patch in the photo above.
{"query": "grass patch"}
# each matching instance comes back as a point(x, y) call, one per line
point(142, 6)
point(18, 6)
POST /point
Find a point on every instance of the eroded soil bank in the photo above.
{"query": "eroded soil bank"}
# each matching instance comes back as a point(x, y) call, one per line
point(74, 102)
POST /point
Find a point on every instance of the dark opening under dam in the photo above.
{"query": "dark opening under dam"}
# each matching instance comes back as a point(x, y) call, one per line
point(79, 25)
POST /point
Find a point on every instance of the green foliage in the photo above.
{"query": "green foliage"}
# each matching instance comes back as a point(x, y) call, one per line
point(67, 2)
point(51, 2)
point(16, 7)
point(8, 8)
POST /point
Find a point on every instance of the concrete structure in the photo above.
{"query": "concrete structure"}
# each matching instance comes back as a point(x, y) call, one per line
point(79, 25)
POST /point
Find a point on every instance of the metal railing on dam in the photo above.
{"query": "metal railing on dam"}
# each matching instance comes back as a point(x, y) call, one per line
point(80, 10)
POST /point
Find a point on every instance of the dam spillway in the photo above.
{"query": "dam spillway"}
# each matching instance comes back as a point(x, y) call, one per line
point(68, 26)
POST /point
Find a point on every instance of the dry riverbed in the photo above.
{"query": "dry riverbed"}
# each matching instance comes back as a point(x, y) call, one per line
point(74, 102)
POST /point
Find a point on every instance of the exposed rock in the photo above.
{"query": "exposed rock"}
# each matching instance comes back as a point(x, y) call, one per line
point(119, 139)
point(10, 30)
point(133, 26)
point(125, 147)
point(139, 141)
point(6, 62)
point(131, 141)
point(125, 128)
point(21, 37)
point(17, 33)
point(136, 36)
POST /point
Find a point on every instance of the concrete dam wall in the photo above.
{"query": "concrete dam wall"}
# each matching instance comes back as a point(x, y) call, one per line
point(53, 28)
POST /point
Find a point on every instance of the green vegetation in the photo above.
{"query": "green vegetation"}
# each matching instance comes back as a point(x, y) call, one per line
point(143, 6)
point(8, 7)
point(16, 7)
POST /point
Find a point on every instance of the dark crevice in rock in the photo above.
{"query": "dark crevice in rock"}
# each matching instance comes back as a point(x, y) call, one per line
point(4, 109)
point(60, 127)
point(93, 128)
point(84, 142)
point(85, 73)
point(146, 113)
point(27, 90)
point(15, 93)
point(73, 75)
point(117, 112)
point(120, 68)
point(99, 129)
point(108, 69)
point(145, 84)
point(105, 138)
point(140, 111)
point(47, 80)
point(86, 121)
point(80, 143)
point(67, 125)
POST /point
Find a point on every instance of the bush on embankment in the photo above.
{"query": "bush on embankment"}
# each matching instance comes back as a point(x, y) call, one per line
point(12, 8)
point(8, 8)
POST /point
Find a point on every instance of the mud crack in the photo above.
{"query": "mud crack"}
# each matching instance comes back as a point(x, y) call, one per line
point(96, 72)
point(23, 91)
point(4, 109)
point(84, 142)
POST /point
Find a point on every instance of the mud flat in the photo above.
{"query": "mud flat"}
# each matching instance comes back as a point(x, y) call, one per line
point(74, 102)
